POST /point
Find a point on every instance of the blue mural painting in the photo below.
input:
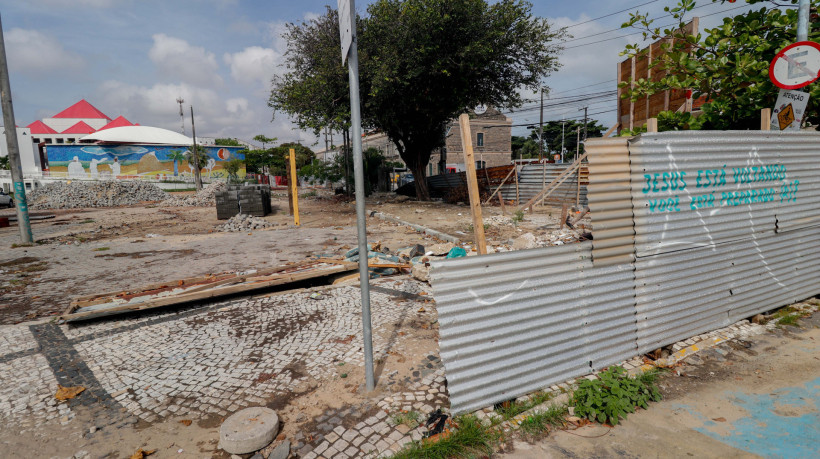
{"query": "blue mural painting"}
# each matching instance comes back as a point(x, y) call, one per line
point(95, 161)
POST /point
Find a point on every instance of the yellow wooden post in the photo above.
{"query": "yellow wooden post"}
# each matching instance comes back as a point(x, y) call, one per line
point(766, 119)
point(292, 186)
point(472, 184)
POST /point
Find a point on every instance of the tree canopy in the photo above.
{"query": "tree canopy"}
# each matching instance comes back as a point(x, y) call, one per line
point(728, 65)
point(422, 63)
point(227, 142)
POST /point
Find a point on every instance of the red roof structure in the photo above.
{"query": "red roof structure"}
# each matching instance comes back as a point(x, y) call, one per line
point(82, 109)
point(39, 127)
point(119, 121)
point(79, 128)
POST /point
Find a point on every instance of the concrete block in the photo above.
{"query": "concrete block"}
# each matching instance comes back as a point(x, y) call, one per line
point(248, 430)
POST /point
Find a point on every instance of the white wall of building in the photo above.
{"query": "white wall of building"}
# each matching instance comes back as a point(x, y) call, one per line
point(29, 155)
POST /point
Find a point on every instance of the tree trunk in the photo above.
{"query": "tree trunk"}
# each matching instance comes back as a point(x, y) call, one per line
point(420, 177)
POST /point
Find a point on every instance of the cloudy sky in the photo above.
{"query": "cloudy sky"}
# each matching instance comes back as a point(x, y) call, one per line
point(135, 57)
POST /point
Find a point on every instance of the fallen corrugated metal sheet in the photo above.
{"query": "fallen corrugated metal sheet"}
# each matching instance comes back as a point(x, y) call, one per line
point(515, 322)
point(692, 232)
point(533, 177)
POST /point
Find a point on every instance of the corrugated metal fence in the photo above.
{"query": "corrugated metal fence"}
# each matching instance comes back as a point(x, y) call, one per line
point(692, 231)
point(533, 177)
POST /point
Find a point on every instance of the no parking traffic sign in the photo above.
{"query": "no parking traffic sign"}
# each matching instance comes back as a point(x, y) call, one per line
point(796, 65)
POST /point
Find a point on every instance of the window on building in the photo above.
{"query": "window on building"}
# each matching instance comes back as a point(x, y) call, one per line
point(47, 141)
point(480, 164)
point(35, 140)
point(479, 139)
point(59, 140)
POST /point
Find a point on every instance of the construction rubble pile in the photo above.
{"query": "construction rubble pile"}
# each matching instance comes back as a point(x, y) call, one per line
point(243, 222)
point(203, 198)
point(75, 195)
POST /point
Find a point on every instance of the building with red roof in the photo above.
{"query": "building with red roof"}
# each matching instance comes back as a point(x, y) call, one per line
point(120, 121)
point(81, 127)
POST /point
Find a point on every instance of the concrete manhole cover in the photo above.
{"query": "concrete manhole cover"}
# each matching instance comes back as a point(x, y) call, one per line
point(248, 430)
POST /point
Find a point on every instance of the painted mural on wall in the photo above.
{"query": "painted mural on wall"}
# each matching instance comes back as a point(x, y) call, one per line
point(160, 161)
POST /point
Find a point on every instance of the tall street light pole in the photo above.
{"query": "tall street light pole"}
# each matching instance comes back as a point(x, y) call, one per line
point(10, 126)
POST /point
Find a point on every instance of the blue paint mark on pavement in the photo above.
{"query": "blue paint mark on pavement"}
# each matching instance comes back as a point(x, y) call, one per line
point(784, 423)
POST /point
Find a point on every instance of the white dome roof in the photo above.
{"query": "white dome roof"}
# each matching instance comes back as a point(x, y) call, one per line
point(139, 134)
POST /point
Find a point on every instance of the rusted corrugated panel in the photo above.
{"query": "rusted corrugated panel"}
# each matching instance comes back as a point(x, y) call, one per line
point(741, 240)
point(516, 322)
point(533, 177)
point(610, 201)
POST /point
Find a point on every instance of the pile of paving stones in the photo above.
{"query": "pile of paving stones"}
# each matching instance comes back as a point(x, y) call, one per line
point(64, 195)
point(242, 222)
point(203, 198)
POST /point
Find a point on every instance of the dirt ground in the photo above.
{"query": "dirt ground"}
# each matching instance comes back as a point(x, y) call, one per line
point(86, 251)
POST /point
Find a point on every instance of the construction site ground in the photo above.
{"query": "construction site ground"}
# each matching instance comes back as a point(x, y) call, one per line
point(166, 379)
point(86, 251)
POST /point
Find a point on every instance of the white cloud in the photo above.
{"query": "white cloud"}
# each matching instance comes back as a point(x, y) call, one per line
point(76, 3)
point(177, 59)
point(254, 65)
point(35, 54)
point(236, 105)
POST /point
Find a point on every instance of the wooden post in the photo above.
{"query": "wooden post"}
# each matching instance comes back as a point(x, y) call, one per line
point(563, 216)
point(472, 183)
point(578, 189)
point(766, 119)
point(652, 125)
point(292, 186)
point(503, 207)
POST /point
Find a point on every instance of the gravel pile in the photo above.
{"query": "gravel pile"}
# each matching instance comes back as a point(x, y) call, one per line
point(203, 198)
point(242, 222)
point(61, 195)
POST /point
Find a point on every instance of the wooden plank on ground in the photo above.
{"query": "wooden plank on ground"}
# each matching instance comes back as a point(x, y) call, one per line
point(224, 287)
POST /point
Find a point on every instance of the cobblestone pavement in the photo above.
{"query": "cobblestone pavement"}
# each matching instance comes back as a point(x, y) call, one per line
point(212, 360)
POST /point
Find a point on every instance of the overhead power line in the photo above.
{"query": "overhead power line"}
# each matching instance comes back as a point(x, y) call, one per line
point(611, 14)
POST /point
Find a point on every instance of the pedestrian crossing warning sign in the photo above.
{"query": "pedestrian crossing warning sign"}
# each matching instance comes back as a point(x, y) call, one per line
point(789, 110)
point(786, 117)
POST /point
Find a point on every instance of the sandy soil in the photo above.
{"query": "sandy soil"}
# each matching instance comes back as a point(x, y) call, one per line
point(85, 251)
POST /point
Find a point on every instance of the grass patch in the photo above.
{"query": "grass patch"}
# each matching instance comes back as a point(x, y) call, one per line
point(14, 246)
point(470, 438)
point(411, 419)
point(309, 194)
point(788, 316)
point(790, 319)
point(180, 190)
point(88, 220)
point(614, 394)
point(509, 410)
point(518, 217)
point(539, 424)
point(102, 249)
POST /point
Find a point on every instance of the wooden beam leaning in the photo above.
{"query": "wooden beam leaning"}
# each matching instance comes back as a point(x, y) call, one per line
point(766, 119)
point(499, 186)
point(554, 184)
point(472, 183)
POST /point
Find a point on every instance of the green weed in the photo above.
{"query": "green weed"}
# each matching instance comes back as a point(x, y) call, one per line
point(411, 419)
point(512, 409)
point(102, 249)
point(470, 438)
point(537, 424)
point(613, 395)
point(518, 217)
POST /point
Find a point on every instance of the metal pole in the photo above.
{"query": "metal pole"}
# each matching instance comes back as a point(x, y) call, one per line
point(197, 176)
point(803, 20)
point(577, 141)
point(10, 126)
point(585, 122)
point(541, 129)
point(358, 172)
point(562, 140)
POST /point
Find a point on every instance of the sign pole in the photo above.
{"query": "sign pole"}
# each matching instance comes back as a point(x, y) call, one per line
point(347, 31)
point(803, 20)
point(294, 191)
point(23, 221)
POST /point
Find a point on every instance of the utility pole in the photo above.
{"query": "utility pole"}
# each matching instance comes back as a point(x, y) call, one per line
point(577, 141)
point(541, 129)
point(585, 122)
point(10, 126)
point(195, 154)
point(803, 20)
point(180, 101)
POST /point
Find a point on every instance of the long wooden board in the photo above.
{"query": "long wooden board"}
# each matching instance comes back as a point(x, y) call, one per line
point(199, 288)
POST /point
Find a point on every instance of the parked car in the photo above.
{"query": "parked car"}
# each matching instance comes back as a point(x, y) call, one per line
point(6, 200)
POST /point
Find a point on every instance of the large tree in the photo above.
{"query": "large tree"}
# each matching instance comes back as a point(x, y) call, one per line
point(727, 65)
point(422, 63)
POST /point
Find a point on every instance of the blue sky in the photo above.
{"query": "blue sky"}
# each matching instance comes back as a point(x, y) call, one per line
point(135, 57)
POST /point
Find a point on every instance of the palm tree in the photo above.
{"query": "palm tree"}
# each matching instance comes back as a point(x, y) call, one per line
point(178, 157)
